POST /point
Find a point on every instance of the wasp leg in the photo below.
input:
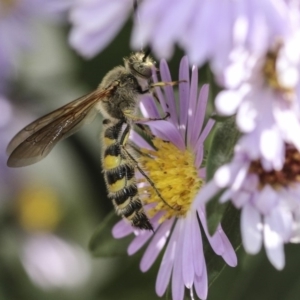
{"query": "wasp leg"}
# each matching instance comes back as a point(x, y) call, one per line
point(162, 84)
point(145, 130)
point(132, 159)
point(128, 114)
point(166, 83)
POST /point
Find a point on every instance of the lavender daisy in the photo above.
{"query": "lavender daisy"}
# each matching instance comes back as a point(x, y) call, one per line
point(266, 104)
point(234, 29)
point(241, 27)
point(175, 165)
point(269, 201)
point(263, 177)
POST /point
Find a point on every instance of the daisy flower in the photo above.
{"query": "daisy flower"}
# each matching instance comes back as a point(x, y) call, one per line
point(245, 26)
point(248, 24)
point(266, 103)
point(269, 201)
point(175, 164)
point(263, 177)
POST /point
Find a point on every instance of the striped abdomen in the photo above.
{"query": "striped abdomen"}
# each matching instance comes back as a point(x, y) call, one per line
point(119, 176)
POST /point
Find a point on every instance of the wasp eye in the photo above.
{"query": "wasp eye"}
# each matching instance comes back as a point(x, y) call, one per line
point(142, 69)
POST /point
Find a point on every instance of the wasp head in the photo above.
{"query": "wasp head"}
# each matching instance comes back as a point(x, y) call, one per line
point(140, 64)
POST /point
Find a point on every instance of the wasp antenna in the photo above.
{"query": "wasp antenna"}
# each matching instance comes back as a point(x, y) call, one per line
point(147, 53)
point(135, 6)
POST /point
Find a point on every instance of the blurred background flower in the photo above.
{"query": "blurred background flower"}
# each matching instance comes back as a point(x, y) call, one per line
point(242, 28)
point(106, 19)
point(48, 211)
point(269, 201)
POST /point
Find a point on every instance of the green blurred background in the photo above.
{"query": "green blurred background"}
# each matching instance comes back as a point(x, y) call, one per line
point(50, 210)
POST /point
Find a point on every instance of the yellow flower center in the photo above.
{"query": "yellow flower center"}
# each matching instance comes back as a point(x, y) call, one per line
point(39, 209)
point(270, 72)
point(175, 177)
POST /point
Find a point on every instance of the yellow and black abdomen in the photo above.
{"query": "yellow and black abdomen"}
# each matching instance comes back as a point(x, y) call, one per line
point(119, 175)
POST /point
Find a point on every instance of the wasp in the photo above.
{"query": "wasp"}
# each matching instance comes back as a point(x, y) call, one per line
point(116, 98)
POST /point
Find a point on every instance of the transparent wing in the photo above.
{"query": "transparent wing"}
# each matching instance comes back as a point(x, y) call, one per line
point(36, 140)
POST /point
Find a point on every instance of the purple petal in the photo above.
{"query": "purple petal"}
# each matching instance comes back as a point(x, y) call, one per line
point(91, 39)
point(205, 194)
point(240, 177)
point(208, 127)
point(143, 236)
point(165, 269)
point(139, 140)
point(197, 246)
point(170, 97)
point(201, 284)
point(251, 228)
point(162, 42)
point(187, 251)
point(229, 254)
point(191, 42)
point(201, 109)
point(149, 14)
point(285, 222)
point(192, 107)
point(266, 200)
point(89, 45)
point(288, 121)
point(239, 199)
point(148, 107)
point(272, 149)
point(139, 241)
point(156, 245)
point(199, 156)
point(177, 280)
point(91, 10)
point(121, 229)
point(227, 102)
point(247, 117)
point(227, 195)
point(226, 174)
point(183, 95)
point(215, 240)
point(167, 131)
point(273, 243)
point(160, 95)
point(161, 29)
point(200, 116)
